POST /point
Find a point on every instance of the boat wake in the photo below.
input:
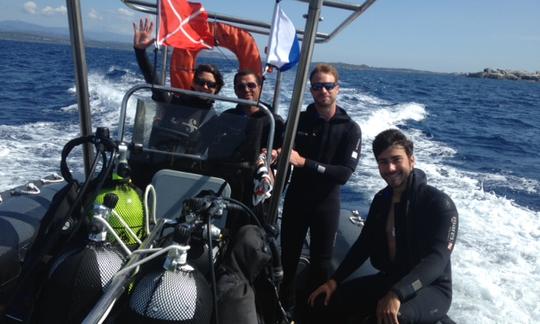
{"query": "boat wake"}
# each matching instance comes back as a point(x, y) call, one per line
point(496, 235)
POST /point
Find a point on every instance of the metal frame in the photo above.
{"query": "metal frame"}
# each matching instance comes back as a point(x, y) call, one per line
point(81, 78)
point(306, 53)
point(132, 90)
point(309, 37)
point(263, 28)
point(81, 70)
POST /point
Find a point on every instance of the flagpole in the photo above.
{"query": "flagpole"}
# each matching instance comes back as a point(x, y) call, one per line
point(158, 47)
point(158, 23)
point(312, 22)
point(277, 92)
point(164, 65)
point(272, 28)
point(265, 67)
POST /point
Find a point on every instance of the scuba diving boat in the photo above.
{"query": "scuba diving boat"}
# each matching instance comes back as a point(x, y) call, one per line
point(94, 249)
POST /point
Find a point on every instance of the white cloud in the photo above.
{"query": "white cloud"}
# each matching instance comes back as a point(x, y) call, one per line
point(50, 11)
point(94, 14)
point(30, 7)
point(125, 12)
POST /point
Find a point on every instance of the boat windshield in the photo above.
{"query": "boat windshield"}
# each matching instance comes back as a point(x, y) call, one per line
point(199, 140)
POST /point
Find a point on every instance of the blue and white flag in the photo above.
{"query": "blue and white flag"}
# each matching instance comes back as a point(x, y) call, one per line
point(283, 45)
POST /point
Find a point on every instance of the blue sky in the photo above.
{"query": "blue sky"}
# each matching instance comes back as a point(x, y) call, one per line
point(434, 35)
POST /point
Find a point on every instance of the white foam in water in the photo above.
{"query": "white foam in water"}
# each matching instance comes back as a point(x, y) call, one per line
point(3, 151)
point(31, 151)
point(496, 263)
point(354, 96)
point(106, 98)
point(512, 182)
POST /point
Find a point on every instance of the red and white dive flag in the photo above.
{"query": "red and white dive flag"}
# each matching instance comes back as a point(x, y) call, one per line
point(184, 25)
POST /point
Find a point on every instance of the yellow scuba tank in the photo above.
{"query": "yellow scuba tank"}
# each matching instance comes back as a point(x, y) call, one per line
point(130, 206)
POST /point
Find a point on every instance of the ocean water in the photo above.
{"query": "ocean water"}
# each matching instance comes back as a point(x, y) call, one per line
point(476, 139)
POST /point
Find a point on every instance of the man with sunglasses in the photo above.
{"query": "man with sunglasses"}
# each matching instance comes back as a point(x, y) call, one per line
point(172, 120)
point(207, 77)
point(248, 86)
point(325, 154)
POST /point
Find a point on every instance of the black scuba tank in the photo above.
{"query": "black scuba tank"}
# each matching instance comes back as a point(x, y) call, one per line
point(179, 296)
point(177, 293)
point(78, 278)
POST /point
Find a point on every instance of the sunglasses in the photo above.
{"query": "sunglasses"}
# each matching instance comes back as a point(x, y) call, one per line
point(202, 83)
point(317, 86)
point(249, 85)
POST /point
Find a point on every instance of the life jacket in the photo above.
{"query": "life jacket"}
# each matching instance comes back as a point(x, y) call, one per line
point(237, 40)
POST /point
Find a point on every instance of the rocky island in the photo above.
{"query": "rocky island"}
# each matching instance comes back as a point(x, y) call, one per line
point(501, 74)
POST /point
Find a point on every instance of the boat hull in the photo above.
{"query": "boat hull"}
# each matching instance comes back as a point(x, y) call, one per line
point(20, 218)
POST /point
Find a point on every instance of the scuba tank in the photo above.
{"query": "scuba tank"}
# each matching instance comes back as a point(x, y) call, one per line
point(129, 206)
point(177, 293)
point(78, 277)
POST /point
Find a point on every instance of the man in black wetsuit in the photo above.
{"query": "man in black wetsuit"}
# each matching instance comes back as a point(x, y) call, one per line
point(178, 117)
point(207, 78)
point(175, 123)
point(325, 154)
point(409, 235)
point(248, 86)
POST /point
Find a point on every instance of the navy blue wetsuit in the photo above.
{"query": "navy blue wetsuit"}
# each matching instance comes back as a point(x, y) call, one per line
point(331, 149)
point(426, 225)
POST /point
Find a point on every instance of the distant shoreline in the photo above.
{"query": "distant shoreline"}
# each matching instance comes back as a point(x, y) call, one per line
point(487, 73)
point(61, 40)
point(53, 39)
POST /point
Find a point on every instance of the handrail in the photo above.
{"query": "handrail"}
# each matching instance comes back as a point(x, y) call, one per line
point(263, 28)
point(132, 90)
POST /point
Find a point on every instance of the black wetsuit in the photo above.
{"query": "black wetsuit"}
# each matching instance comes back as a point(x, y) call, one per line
point(426, 224)
point(151, 77)
point(175, 127)
point(332, 150)
point(257, 120)
point(173, 123)
point(278, 123)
